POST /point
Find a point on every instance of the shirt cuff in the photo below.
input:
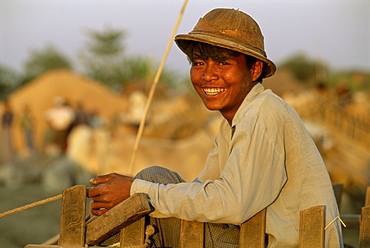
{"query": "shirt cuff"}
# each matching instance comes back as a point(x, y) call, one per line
point(140, 186)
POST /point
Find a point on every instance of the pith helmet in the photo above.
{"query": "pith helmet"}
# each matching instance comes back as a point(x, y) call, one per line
point(231, 29)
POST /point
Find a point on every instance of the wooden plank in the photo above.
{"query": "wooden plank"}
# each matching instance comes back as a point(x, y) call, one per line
point(252, 232)
point(365, 227)
point(72, 221)
point(191, 234)
point(54, 246)
point(133, 234)
point(41, 246)
point(352, 221)
point(122, 215)
point(312, 227)
point(338, 191)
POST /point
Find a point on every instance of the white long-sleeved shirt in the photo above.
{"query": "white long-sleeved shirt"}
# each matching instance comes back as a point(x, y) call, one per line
point(265, 159)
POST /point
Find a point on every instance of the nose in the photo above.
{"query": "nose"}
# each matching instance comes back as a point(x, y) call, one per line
point(210, 72)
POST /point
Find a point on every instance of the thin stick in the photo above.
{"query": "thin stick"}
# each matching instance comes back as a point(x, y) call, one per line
point(152, 89)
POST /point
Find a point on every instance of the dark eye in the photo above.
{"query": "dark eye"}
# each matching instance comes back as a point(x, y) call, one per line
point(197, 63)
point(223, 63)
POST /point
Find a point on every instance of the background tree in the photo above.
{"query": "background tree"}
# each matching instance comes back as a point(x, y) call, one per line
point(103, 55)
point(9, 80)
point(103, 59)
point(304, 68)
point(43, 60)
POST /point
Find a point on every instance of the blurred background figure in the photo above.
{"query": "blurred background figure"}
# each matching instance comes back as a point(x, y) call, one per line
point(27, 124)
point(81, 115)
point(60, 118)
point(7, 122)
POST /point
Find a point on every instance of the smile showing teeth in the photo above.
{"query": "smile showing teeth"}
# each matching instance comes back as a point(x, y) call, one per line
point(213, 91)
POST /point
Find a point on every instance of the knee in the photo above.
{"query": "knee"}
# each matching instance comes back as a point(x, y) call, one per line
point(149, 172)
point(158, 174)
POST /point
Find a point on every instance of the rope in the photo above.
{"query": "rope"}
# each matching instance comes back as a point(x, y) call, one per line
point(152, 89)
point(16, 210)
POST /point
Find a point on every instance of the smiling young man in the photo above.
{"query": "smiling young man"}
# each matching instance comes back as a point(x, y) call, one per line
point(222, 78)
point(263, 155)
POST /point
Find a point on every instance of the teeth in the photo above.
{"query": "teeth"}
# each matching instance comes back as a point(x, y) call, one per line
point(213, 91)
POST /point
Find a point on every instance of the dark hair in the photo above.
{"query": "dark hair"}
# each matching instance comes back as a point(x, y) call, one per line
point(203, 51)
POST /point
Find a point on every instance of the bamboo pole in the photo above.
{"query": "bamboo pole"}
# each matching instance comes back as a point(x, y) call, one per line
point(153, 87)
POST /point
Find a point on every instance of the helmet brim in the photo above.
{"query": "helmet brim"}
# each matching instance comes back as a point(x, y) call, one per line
point(183, 42)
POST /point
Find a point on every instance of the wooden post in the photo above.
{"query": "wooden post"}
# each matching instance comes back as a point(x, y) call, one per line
point(133, 234)
point(365, 227)
point(252, 232)
point(365, 222)
point(72, 222)
point(311, 227)
point(191, 234)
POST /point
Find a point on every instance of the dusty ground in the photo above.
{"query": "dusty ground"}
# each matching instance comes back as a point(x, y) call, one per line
point(32, 226)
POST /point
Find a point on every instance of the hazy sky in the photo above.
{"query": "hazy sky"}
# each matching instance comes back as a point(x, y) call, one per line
point(335, 31)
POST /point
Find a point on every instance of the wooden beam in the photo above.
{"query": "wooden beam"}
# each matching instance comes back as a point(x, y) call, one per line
point(191, 234)
point(365, 227)
point(312, 227)
point(252, 232)
point(54, 246)
point(122, 215)
point(133, 234)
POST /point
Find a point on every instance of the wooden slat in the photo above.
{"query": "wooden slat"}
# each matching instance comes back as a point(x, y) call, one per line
point(365, 227)
point(338, 191)
point(52, 246)
point(252, 232)
point(72, 221)
point(122, 215)
point(191, 234)
point(133, 234)
point(352, 221)
point(311, 227)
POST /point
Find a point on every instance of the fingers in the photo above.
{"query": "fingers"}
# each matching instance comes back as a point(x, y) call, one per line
point(100, 205)
point(99, 212)
point(102, 179)
point(108, 191)
point(96, 191)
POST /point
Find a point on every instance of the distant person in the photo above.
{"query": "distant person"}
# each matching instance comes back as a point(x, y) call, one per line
point(7, 136)
point(60, 118)
point(81, 115)
point(95, 120)
point(263, 158)
point(344, 96)
point(27, 124)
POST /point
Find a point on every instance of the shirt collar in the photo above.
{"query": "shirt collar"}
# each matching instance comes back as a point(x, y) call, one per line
point(255, 91)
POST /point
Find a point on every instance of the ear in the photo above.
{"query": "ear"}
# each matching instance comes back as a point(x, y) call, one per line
point(257, 70)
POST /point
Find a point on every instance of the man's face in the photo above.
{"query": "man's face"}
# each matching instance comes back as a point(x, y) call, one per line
point(222, 85)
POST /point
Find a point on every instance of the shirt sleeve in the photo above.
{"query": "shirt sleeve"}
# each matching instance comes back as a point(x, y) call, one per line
point(251, 179)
